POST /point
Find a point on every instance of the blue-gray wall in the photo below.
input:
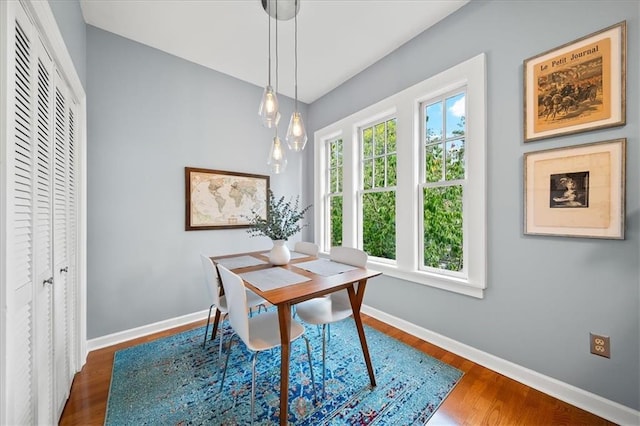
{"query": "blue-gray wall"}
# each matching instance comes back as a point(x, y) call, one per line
point(71, 23)
point(545, 294)
point(151, 114)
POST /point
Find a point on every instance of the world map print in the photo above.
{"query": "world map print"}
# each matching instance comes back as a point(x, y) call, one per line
point(225, 200)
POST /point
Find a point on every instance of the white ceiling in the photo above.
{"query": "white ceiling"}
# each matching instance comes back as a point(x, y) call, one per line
point(336, 38)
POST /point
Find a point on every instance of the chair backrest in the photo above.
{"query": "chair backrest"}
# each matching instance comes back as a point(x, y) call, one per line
point(236, 295)
point(211, 279)
point(306, 247)
point(349, 255)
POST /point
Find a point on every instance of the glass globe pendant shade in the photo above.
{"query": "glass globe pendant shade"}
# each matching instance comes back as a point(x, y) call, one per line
point(268, 110)
point(296, 133)
point(277, 158)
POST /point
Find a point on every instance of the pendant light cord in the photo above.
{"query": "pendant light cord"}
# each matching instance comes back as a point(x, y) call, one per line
point(269, 38)
point(276, 46)
point(295, 77)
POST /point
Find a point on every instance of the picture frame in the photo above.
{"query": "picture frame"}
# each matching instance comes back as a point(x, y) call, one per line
point(577, 87)
point(576, 191)
point(217, 199)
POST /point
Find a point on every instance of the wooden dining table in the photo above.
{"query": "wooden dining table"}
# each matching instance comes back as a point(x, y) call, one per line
point(354, 281)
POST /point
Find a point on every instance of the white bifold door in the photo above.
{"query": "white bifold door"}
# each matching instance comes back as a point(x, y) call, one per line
point(41, 227)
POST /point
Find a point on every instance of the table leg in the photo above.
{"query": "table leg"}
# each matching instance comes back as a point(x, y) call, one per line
point(284, 317)
point(216, 323)
point(356, 303)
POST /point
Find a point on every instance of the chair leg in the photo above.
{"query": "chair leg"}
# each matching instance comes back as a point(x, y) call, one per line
point(313, 381)
point(324, 351)
point(226, 363)
point(253, 385)
point(221, 337)
point(206, 330)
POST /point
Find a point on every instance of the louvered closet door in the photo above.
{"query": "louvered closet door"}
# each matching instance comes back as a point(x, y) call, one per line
point(61, 199)
point(43, 287)
point(71, 273)
point(42, 233)
point(21, 381)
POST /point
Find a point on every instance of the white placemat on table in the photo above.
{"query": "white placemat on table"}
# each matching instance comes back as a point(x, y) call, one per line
point(240, 262)
point(325, 267)
point(272, 278)
point(297, 255)
point(294, 254)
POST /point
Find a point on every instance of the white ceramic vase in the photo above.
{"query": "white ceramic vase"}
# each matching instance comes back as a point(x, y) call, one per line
point(279, 254)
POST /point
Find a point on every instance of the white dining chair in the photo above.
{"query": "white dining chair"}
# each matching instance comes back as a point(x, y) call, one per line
point(218, 302)
point(334, 307)
point(306, 247)
point(259, 333)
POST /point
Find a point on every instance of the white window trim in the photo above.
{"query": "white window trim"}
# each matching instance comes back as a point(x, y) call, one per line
point(405, 105)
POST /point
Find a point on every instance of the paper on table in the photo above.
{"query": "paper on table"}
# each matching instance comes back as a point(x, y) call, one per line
point(272, 278)
point(325, 267)
point(240, 262)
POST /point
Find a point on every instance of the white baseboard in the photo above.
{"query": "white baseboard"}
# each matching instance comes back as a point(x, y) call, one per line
point(145, 330)
point(590, 402)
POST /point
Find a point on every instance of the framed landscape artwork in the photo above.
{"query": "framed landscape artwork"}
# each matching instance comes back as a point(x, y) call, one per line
point(577, 191)
point(576, 87)
point(218, 199)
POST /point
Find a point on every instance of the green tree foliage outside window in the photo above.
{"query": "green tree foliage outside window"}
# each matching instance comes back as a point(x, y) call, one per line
point(444, 149)
point(336, 221)
point(443, 227)
point(335, 178)
point(379, 172)
point(379, 224)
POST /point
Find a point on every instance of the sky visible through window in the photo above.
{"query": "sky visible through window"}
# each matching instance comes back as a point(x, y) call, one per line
point(455, 107)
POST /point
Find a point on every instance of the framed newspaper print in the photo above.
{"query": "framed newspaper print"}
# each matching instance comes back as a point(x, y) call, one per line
point(578, 191)
point(217, 199)
point(577, 87)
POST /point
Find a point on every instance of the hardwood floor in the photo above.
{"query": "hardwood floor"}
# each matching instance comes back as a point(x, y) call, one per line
point(482, 397)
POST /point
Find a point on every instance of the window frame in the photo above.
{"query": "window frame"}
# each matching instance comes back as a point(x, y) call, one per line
point(424, 183)
point(405, 106)
point(329, 194)
point(374, 189)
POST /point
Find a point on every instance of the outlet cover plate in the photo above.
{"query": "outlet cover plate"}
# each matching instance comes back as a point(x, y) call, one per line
point(600, 345)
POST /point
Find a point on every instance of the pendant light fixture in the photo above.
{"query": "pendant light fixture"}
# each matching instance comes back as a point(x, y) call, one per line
point(277, 156)
point(296, 133)
point(268, 111)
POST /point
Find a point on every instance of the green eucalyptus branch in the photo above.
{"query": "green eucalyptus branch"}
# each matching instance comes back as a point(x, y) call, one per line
point(282, 221)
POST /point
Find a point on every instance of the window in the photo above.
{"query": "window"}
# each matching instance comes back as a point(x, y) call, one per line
point(442, 182)
point(334, 192)
point(409, 184)
point(378, 193)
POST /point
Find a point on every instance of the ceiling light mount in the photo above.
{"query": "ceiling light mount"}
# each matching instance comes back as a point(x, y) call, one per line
point(282, 10)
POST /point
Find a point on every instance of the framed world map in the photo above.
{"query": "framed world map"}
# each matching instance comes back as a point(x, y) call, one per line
point(217, 199)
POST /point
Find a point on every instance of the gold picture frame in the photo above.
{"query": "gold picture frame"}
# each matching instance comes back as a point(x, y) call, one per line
point(216, 199)
point(577, 87)
point(577, 191)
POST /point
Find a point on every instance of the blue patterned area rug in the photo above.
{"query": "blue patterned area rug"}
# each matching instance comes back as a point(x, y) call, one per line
point(174, 381)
